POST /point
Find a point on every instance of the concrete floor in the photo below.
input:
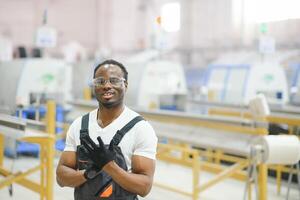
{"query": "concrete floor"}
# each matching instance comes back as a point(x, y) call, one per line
point(172, 175)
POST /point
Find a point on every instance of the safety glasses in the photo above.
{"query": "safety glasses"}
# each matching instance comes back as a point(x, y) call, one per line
point(114, 81)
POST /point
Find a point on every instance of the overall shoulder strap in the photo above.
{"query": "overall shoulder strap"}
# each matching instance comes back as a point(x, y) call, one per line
point(84, 125)
point(120, 133)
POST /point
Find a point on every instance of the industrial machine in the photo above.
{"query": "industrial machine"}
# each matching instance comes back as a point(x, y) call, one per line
point(27, 81)
point(195, 79)
point(155, 83)
point(241, 79)
point(294, 84)
point(82, 76)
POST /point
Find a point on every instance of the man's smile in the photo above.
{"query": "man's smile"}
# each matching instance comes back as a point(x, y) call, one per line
point(108, 94)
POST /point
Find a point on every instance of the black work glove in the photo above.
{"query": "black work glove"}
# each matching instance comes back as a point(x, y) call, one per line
point(91, 172)
point(100, 155)
point(84, 162)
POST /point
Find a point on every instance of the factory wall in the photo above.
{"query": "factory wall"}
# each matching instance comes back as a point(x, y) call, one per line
point(94, 24)
point(208, 27)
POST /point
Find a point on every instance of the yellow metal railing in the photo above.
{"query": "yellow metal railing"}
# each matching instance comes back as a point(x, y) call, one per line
point(87, 94)
point(276, 119)
point(213, 156)
point(46, 142)
point(164, 151)
point(190, 157)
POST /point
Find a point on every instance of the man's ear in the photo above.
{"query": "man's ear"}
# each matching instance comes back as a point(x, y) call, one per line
point(93, 91)
point(126, 85)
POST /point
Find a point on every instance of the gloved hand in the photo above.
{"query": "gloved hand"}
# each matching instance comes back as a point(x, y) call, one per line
point(100, 155)
point(91, 172)
point(85, 163)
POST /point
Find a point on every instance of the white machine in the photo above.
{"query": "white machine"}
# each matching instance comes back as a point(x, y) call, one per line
point(294, 84)
point(26, 80)
point(155, 83)
point(244, 77)
point(82, 77)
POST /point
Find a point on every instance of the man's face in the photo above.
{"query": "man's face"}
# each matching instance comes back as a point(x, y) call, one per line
point(110, 94)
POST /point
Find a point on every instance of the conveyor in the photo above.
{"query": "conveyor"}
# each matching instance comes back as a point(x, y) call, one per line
point(230, 134)
point(285, 114)
point(232, 143)
point(12, 127)
point(275, 109)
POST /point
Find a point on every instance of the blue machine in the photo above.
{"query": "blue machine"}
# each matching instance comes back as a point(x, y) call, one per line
point(238, 83)
point(295, 84)
point(214, 83)
point(195, 77)
point(33, 149)
point(227, 83)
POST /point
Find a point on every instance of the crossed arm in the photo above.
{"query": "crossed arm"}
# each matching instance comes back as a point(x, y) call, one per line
point(139, 181)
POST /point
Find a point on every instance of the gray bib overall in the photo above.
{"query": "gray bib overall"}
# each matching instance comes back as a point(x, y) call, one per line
point(101, 186)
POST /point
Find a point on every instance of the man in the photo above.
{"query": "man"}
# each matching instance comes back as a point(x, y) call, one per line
point(138, 145)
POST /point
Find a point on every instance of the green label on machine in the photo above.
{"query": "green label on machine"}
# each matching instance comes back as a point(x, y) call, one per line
point(47, 78)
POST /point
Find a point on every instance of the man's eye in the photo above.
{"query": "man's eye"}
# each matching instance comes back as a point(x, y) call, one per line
point(114, 80)
point(100, 81)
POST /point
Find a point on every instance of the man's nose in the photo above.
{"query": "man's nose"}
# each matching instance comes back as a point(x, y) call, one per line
point(107, 84)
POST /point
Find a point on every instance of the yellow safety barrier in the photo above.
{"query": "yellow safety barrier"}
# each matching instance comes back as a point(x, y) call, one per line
point(222, 172)
point(292, 123)
point(193, 160)
point(1, 149)
point(46, 142)
point(87, 94)
point(276, 119)
point(163, 153)
point(198, 123)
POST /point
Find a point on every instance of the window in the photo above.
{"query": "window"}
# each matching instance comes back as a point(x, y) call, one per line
point(170, 17)
point(259, 11)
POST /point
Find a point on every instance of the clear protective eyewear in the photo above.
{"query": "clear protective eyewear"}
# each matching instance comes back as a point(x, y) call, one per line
point(114, 81)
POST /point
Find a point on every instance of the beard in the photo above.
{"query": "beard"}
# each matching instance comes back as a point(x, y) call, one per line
point(111, 104)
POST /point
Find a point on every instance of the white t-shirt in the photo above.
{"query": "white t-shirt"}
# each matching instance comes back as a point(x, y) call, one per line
point(140, 140)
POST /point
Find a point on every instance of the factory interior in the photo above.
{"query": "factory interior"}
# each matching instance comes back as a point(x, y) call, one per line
point(218, 80)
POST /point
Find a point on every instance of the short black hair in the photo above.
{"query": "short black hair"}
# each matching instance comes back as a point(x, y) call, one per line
point(112, 62)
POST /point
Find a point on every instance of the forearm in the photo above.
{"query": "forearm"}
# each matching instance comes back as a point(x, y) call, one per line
point(136, 183)
point(69, 177)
